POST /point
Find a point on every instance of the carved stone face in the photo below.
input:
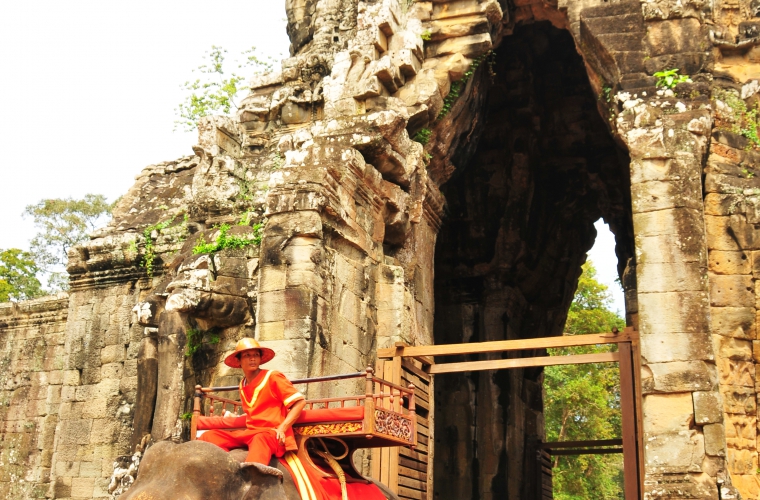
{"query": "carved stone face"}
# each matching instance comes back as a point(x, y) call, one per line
point(754, 7)
point(213, 289)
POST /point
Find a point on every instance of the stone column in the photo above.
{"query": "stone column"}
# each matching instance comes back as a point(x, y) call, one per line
point(683, 425)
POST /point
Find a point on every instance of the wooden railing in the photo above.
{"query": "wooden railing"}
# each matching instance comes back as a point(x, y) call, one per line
point(379, 394)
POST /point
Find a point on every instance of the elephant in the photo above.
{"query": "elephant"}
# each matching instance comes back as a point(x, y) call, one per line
point(197, 470)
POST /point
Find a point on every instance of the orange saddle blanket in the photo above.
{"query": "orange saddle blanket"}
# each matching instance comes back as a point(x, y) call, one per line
point(312, 486)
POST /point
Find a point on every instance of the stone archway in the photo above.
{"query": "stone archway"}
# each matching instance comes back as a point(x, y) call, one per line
point(519, 221)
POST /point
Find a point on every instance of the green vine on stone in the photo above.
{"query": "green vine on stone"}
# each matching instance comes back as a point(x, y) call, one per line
point(225, 240)
point(426, 35)
point(195, 338)
point(150, 247)
point(669, 78)
point(278, 161)
point(744, 121)
point(423, 136)
point(458, 86)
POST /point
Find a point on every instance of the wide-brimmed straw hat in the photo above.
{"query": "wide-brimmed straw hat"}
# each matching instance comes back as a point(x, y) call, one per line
point(247, 344)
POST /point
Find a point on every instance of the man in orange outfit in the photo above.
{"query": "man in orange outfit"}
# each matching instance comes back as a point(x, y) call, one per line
point(271, 406)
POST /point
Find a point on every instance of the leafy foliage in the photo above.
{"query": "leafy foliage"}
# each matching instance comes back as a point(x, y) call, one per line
point(669, 78)
point(150, 246)
point(458, 86)
point(18, 276)
point(426, 35)
point(62, 223)
point(225, 240)
point(195, 338)
point(582, 402)
point(216, 90)
point(423, 136)
point(740, 119)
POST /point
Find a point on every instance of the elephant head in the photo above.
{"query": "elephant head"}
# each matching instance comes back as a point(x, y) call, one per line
point(198, 470)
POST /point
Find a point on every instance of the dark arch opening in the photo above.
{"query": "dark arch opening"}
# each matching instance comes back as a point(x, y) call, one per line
point(520, 218)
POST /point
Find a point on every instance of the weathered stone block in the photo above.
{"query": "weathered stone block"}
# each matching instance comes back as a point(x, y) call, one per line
point(722, 204)
point(459, 26)
point(670, 248)
point(292, 303)
point(290, 354)
point(82, 487)
point(128, 385)
point(741, 431)
point(661, 195)
point(274, 330)
point(644, 170)
point(715, 436)
point(351, 307)
point(668, 413)
point(89, 469)
point(66, 468)
point(225, 285)
point(272, 278)
point(732, 348)
point(104, 430)
point(300, 329)
point(733, 321)
point(742, 461)
point(747, 484)
point(130, 368)
point(306, 278)
point(719, 235)
point(674, 452)
point(686, 312)
point(724, 262)
point(682, 376)
point(739, 400)
point(736, 372)
point(111, 371)
point(95, 408)
point(653, 277)
point(469, 46)
point(351, 274)
point(707, 407)
point(666, 347)
point(233, 267)
point(732, 291)
point(71, 377)
point(75, 431)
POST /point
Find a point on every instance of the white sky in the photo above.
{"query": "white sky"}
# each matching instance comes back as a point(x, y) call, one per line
point(602, 254)
point(89, 90)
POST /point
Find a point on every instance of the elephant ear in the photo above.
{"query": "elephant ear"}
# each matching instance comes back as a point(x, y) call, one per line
point(265, 482)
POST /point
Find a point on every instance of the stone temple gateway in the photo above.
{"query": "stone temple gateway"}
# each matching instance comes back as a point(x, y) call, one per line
point(428, 172)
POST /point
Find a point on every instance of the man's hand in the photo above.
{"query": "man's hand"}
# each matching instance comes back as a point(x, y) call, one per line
point(280, 433)
point(293, 413)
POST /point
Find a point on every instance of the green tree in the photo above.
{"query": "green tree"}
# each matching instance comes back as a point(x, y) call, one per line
point(582, 402)
point(18, 280)
point(217, 90)
point(61, 224)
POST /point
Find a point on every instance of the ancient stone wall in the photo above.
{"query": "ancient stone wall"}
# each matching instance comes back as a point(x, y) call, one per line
point(428, 172)
point(32, 374)
point(730, 218)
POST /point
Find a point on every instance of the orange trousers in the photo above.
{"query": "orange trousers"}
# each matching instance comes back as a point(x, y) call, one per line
point(261, 444)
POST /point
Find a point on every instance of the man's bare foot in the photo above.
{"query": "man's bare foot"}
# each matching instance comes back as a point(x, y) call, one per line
point(264, 469)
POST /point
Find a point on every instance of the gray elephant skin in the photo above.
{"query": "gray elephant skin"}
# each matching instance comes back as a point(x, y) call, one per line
point(197, 470)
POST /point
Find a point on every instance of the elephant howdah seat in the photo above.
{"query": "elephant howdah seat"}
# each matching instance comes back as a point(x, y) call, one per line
point(383, 416)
